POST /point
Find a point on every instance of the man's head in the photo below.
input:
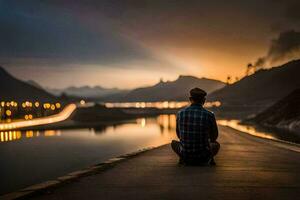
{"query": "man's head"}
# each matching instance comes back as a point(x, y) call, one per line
point(197, 95)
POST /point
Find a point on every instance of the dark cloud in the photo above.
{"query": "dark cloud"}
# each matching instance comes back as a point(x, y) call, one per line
point(292, 10)
point(92, 31)
point(39, 31)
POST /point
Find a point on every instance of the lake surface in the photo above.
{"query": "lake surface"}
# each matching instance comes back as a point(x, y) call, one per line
point(31, 157)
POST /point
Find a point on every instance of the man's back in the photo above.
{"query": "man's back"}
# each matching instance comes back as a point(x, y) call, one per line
point(196, 127)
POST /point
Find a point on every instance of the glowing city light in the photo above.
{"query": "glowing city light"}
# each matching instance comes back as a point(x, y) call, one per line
point(159, 105)
point(8, 112)
point(57, 105)
point(47, 105)
point(52, 107)
point(82, 102)
point(37, 104)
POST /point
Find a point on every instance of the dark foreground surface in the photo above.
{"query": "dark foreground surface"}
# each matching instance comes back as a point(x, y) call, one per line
point(247, 168)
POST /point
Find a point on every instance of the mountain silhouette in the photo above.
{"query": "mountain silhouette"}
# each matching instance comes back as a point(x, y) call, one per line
point(86, 91)
point(13, 89)
point(265, 87)
point(177, 90)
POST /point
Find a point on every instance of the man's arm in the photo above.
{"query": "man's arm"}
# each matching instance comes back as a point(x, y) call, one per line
point(214, 129)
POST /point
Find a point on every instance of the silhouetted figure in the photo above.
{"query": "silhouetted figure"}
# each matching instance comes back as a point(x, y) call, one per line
point(197, 130)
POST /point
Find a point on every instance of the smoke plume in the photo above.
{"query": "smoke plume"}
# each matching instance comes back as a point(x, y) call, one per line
point(285, 47)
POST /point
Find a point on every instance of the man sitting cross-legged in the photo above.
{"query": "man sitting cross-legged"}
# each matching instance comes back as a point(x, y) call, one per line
point(197, 130)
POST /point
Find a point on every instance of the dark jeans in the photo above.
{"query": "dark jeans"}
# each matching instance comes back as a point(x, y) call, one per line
point(214, 148)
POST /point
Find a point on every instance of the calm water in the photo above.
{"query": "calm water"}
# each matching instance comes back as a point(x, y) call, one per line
point(263, 132)
point(34, 156)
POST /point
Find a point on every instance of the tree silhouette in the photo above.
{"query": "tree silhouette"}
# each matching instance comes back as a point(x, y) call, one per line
point(228, 80)
point(249, 67)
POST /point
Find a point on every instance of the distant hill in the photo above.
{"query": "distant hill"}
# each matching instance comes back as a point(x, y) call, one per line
point(86, 91)
point(177, 90)
point(265, 87)
point(13, 89)
point(284, 114)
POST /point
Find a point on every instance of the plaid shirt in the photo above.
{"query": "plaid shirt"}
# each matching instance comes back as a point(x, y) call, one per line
point(196, 127)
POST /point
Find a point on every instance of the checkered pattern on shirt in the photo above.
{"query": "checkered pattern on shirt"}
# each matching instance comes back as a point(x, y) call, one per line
point(193, 127)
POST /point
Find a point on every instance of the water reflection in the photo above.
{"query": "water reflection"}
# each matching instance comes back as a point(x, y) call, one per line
point(262, 132)
point(166, 123)
point(245, 128)
point(142, 122)
point(6, 136)
point(10, 136)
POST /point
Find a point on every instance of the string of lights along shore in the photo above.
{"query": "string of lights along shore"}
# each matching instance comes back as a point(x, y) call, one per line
point(27, 110)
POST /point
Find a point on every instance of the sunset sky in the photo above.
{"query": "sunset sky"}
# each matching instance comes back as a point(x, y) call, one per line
point(130, 43)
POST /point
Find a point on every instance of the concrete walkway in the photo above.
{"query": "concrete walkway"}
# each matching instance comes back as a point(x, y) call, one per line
point(247, 168)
